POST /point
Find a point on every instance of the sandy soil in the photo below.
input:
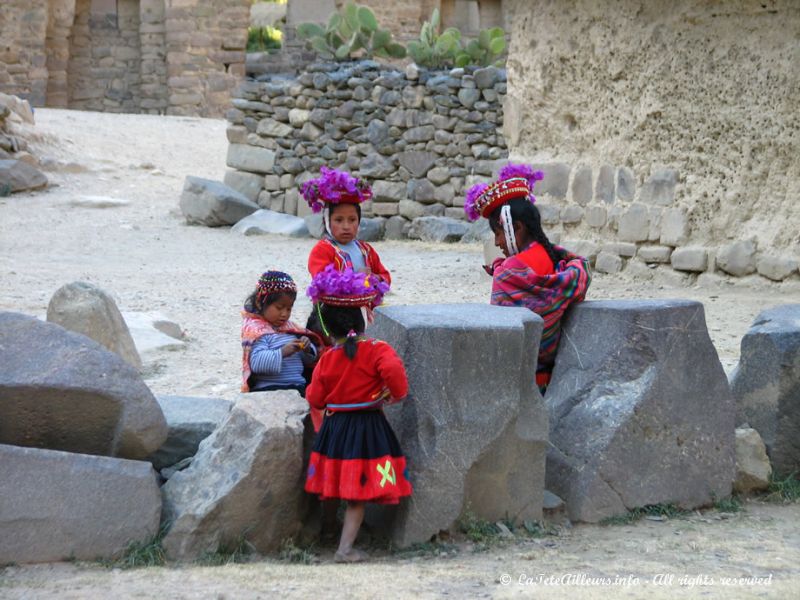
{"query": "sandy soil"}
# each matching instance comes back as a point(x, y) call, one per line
point(149, 260)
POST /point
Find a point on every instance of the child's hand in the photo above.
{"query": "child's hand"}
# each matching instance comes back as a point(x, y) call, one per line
point(305, 345)
point(292, 347)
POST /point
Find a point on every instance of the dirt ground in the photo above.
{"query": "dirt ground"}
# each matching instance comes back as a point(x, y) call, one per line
point(149, 260)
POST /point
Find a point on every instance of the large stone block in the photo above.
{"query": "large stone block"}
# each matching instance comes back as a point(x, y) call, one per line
point(63, 391)
point(266, 222)
point(58, 506)
point(214, 204)
point(766, 384)
point(690, 258)
point(248, 185)
point(737, 258)
point(19, 176)
point(190, 421)
point(250, 158)
point(674, 227)
point(389, 191)
point(473, 429)
point(246, 480)
point(634, 224)
point(640, 410)
point(84, 308)
point(776, 268)
point(437, 229)
point(582, 185)
point(660, 187)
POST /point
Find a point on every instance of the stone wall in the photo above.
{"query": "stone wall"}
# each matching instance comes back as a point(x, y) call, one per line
point(159, 56)
point(418, 137)
point(105, 55)
point(23, 26)
point(665, 128)
point(205, 43)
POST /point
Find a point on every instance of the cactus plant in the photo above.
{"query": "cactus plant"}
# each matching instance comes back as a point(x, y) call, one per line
point(484, 51)
point(434, 50)
point(351, 33)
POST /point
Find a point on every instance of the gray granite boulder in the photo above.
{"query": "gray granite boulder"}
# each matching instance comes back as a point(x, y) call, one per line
point(213, 204)
point(766, 384)
point(19, 176)
point(190, 421)
point(62, 506)
point(474, 428)
point(640, 410)
point(245, 480)
point(478, 232)
point(266, 222)
point(437, 229)
point(85, 308)
point(63, 391)
point(371, 229)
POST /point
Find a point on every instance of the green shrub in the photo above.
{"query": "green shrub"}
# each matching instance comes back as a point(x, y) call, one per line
point(296, 554)
point(262, 39)
point(784, 489)
point(484, 51)
point(434, 50)
point(149, 553)
point(351, 33)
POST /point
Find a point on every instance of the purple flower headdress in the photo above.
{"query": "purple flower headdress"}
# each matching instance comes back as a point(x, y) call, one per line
point(334, 186)
point(346, 288)
point(514, 181)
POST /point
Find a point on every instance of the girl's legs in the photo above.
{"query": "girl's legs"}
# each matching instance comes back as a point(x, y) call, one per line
point(353, 517)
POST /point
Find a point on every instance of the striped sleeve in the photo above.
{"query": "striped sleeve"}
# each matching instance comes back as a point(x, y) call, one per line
point(265, 358)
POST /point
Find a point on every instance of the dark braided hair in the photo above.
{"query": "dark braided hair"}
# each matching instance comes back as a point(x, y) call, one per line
point(341, 320)
point(526, 213)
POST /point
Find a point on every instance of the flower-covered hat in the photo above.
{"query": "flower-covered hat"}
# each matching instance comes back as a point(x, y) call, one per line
point(334, 187)
point(514, 181)
point(346, 288)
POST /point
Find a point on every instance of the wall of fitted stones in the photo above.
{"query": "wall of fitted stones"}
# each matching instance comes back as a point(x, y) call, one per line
point(160, 56)
point(205, 46)
point(23, 27)
point(103, 71)
point(61, 16)
point(418, 140)
point(679, 123)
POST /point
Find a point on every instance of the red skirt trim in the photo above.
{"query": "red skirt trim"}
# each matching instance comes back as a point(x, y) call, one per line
point(381, 480)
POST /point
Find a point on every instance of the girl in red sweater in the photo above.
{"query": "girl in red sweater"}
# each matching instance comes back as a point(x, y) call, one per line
point(356, 456)
point(339, 195)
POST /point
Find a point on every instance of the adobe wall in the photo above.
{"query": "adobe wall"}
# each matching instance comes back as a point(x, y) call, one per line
point(684, 116)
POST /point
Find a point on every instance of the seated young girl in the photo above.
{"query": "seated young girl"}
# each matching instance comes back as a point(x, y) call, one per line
point(275, 351)
point(339, 195)
point(535, 274)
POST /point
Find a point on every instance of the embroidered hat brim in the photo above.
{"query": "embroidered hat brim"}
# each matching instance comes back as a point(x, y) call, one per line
point(499, 193)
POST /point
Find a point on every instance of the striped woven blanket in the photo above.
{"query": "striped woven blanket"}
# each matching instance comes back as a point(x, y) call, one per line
point(515, 284)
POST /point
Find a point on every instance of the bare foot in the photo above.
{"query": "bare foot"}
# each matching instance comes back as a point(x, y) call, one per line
point(353, 556)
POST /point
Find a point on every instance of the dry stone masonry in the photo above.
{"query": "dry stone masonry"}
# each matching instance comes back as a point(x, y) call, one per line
point(419, 137)
point(151, 56)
